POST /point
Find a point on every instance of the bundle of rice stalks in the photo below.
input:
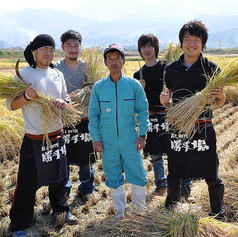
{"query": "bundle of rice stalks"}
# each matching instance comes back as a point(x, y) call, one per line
point(175, 224)
point(158, 222)
point(81, 98)
point(173, 52)
point(69, 115)
point(183, 116)
point(10, 87)
point(95, 64)
point(209, 227)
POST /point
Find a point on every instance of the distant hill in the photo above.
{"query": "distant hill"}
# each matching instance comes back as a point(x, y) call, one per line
point(18, 28)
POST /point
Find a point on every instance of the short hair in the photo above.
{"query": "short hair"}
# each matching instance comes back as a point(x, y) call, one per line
point(71, 34)
point(148, 39)
point(194, 28)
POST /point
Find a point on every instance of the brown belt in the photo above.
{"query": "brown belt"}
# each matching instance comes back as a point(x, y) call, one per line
point(158, 112)
point(204, 122)
point(84, 119)
point(52, 136)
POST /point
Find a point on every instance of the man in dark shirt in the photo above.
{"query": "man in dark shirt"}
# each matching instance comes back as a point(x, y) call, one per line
point(193, 157)
point(151, 78)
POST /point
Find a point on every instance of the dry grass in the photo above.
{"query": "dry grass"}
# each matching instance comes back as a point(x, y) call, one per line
point(173, 52)
point(11, 132)
point(96, 216)
point(95, 61)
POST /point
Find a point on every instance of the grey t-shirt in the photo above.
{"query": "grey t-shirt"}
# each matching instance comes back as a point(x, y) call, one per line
point(74, 79)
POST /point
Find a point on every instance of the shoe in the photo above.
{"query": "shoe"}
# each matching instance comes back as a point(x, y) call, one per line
point(219, 216)
point(67, 192)
point(159, 191)
point(119, 215)
point(185, 197)
point(71, 219)
point(87, 197)
point(146, 155)
point(20, 233)
point(68, 218)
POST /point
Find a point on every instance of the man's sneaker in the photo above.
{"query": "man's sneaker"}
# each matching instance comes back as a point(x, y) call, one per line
point(219, 216)
point(185, 197)
point(70, 218)
point(87, 197)
point(19, 233)
point(159, 191)
point(60, 218)
point(146, 155)
point(67, 192)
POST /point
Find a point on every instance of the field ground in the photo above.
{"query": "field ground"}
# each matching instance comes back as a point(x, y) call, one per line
point(95, 217)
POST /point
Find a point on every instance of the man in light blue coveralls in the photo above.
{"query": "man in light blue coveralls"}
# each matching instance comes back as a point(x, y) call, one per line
point(117, 104)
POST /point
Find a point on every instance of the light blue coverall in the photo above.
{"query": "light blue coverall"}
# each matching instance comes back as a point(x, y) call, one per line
point(113, 111)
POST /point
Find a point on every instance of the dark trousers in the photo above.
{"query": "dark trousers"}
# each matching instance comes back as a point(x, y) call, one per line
point(22, 210)
point(215, 189)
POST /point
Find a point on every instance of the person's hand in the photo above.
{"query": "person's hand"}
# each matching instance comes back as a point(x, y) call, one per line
point(165, 99)
point(59, 103)
point(31, 92)
point(218, 93)
point(140, 144)
point(98, 146)
point(143, 83)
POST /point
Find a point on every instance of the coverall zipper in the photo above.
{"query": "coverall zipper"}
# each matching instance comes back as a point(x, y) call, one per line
point(116, 110)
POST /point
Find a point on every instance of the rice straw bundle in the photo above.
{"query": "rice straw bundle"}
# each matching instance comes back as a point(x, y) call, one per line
point(10, 87)
point(69, 115)
point(183, 115)
point(95, 64)
point(176, 224)
point(81, 98)
point(173, 52)
point(209, 227)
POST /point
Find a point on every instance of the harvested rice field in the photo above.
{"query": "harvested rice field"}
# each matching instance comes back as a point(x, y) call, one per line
point(96, 215)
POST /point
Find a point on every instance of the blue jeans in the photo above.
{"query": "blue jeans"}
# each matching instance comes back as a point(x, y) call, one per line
point(186, 186)
point(86, 178)
point(158, 165)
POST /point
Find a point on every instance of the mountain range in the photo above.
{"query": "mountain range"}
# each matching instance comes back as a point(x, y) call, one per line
point(18, 28)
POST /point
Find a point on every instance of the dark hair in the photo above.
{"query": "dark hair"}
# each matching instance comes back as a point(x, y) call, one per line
point(71, 34)
point(148, 39)
point(194, 28)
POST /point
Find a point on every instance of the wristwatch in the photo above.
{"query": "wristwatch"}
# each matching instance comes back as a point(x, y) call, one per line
point(144, 136)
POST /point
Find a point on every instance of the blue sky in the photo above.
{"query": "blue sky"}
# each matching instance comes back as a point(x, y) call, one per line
point(107, 9)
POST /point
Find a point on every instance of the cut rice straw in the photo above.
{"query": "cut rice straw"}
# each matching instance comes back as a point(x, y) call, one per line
point(183, 115)
point(81, 98)
point(95, 64)
point(159, 222)
point(173, 52)
point(69, 115)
